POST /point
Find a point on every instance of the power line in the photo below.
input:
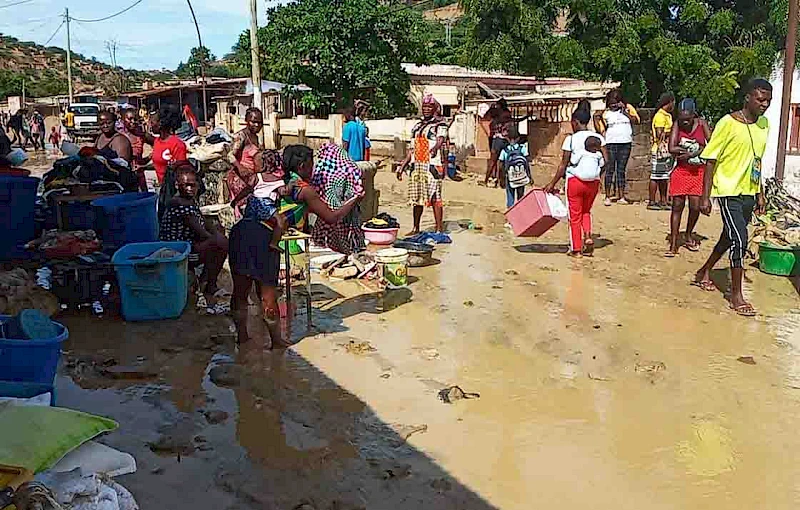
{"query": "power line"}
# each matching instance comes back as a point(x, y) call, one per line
point(16, 3)
point(134, 4)
point(54, 33)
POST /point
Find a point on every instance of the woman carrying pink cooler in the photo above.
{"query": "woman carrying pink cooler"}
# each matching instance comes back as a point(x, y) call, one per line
point(583, 159)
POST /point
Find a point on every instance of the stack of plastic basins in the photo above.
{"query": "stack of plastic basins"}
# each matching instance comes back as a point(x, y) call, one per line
point(126, 218)
point(28, 367)
point(17, 227)
point(152, 288)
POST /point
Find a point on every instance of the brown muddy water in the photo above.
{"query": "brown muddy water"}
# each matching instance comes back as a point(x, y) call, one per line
point(604, 383)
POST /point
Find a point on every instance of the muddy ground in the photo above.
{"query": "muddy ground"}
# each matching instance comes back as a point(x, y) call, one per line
point(604, 383)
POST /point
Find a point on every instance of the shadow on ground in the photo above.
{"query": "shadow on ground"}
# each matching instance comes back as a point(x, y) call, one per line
point(217, 427)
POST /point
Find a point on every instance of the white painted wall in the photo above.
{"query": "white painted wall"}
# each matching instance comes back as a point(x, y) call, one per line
point(792, 169)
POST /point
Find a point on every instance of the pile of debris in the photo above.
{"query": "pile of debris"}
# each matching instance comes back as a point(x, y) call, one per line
point(359, 265)
point(780, 225)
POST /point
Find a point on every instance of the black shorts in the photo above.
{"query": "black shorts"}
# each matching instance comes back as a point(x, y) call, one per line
point(499, 144)
point(249, 253)
point(736, 214)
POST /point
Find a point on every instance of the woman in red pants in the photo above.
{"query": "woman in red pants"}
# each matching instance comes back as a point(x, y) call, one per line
point(583, 158)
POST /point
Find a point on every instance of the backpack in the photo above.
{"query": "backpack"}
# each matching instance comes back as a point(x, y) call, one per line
point(518, 169)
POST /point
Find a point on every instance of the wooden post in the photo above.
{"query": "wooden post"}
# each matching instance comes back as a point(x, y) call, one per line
point(336, 128)
point(301, 129)
point(786, 95)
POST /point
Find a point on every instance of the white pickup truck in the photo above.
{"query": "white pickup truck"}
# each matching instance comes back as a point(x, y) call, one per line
point(86, 120)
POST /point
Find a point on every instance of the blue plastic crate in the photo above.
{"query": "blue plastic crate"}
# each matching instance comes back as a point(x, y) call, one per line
point(152, 289)
point(17, 200)
point(30, 361)
point(126, 218)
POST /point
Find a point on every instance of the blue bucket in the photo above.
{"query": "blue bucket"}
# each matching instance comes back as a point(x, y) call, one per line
point(126, 218)
point(31, 361)
point(152, 289)
point(17, 201)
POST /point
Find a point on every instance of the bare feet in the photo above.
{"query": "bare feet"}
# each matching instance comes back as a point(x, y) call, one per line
point(412, 233)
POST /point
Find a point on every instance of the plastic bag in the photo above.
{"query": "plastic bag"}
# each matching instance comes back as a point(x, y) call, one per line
point(557, 208)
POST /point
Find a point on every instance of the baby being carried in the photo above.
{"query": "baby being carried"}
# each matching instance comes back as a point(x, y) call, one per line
point(266, 189)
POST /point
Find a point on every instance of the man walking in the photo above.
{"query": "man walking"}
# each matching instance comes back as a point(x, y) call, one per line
point(733, 177)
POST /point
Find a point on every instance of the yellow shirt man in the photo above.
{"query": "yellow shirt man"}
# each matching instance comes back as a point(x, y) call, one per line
point(69, 119)
point(662, 120)
point(736, 147)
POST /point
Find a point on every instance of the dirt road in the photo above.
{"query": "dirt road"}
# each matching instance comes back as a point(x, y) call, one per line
point(604, 383)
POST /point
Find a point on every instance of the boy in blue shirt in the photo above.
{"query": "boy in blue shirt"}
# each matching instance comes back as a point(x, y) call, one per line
point(354, 136)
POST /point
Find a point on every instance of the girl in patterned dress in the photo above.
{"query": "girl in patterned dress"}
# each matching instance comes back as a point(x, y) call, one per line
point(183, 221)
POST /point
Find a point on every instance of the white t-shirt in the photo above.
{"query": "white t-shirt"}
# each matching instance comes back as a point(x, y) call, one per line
point(618, 127)
point(583, 164)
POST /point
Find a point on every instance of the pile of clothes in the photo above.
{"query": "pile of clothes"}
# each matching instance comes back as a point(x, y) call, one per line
point(382, 221)
point(56, 244)
point(91, 166)
point(780, 226)
point(19, 291)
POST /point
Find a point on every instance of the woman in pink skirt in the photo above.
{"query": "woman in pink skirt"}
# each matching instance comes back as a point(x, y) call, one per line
point(687, 140)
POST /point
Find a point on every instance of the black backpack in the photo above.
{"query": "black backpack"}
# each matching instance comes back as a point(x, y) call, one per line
point(518, 169)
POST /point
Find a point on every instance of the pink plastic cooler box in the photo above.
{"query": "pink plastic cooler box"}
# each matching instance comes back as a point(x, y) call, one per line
point(531, 216)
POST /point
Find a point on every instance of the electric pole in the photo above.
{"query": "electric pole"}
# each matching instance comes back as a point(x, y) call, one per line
point(786, 96)
point(202, 63)
point(69, 57)
point(255, 64)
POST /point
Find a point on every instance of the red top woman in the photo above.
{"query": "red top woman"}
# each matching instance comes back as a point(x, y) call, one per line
point(687, 140)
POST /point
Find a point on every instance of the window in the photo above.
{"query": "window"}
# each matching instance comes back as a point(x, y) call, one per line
point(794, 129)
point(88, 110)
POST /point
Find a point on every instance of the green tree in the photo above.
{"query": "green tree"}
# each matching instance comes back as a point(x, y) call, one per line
point(193, 68)
point(10, 83)
point(343, 49)
point(704, 49)
point(510, 35)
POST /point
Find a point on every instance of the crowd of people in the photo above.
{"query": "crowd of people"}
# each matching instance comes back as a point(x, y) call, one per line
point(272, 191)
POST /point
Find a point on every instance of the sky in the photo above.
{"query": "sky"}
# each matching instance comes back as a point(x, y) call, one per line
point(154, 34)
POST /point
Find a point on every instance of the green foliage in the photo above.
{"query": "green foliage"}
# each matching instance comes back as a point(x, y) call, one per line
point(343, 49)
point(10, 84)
point(193, 68)
point(700, 48)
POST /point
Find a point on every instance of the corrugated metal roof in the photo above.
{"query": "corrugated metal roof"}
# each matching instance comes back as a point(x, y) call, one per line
point(451, 71)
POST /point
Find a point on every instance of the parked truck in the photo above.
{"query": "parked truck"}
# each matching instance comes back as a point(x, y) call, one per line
point(86, 120)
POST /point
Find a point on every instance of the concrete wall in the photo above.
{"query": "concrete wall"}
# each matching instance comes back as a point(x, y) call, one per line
point(792, 168)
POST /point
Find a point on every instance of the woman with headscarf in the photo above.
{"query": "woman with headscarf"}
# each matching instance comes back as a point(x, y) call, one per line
point(426, 159)
point(688, 138)
point(246, 145)
point(337, 179)
point(252, 260)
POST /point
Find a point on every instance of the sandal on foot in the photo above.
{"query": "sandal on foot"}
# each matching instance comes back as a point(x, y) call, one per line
point(607, 202)
point(623, 201)
point(706, 285)
point(745, 310)
point(692, 246)
point(653, 207)
point(588, 248)
point(670, 254)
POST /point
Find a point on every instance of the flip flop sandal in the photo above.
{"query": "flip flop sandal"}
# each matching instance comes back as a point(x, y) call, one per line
point(670, 254)
point(653, 207)
point(706, 285)
point(588, 248)
point(692, 246)
point(745, 310)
